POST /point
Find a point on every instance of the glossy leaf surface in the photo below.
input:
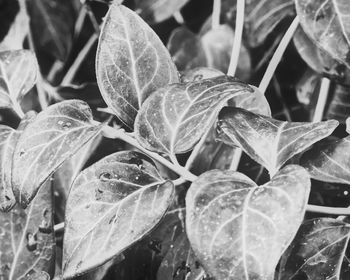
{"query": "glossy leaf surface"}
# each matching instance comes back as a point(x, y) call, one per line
point(318, 249)
point(27, 240)
point(175, 117)
point(268, 141)
point(112, 204)
point(131, 63)
point(238, 229)
point(327, 23)
point(56, 134)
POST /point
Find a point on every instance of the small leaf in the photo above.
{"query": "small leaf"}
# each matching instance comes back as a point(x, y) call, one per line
point(27, 240)
point(52, 24)
point(327, 23)
point(18, 74)
point(154, 11)
point(56, 134)
point(112, 204)
point(174, 118)
point(238, 229)
point(268, 141)
point(131, 63)
point(318, 249)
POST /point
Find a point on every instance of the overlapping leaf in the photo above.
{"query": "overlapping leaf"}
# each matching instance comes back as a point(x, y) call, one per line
point(56, 134)
point(112, 204)
point(318, 250)
point(131, 63)
point(268, 141)
point(27, 240)
point(18, 74)
point(239, 230)
point(199, 73)
point(327, 23)
point(174, 118)
point(339, 105)
point(154, 11)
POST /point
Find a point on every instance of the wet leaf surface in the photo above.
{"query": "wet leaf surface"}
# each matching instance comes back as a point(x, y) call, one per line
point(131, 63)
point(239, 230)
point(56, 134)
point(112, 204)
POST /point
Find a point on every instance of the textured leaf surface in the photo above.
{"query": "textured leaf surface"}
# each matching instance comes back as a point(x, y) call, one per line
point(339, 105)
point(327, 23)
point(112, 204)
point(200, 73)
point(238, 229)
point(56, 134)
point(52, 24)
point(154, 11)
point(131, 63)
point(318, 249)
point(174, 118)
point(18, 74)
point(27, 240)
point(268, 141)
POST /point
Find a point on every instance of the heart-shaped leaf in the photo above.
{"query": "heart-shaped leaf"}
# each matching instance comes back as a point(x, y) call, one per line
point(327, 23)
point(238, 229)
point(318, 250)
point(27, 239)
point(154, 11)
point(174, 118)
point(131, 62)
point(268, 141)
point(56, 134)
point(18, 74)
point(112, 204)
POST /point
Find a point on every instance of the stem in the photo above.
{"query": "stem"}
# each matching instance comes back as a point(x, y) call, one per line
point(280, 96)
point(328, 210)
point(321, 101)
point(113, 133)
point(179, 18)
point(58, 227)
point(92, 18)
point(236, 158)
point(68, 78)
point(237, 41)
point(277, 56)
point(17, 108)
point(216, 14)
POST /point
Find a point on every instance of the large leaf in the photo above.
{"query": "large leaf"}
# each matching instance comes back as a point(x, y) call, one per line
point(268, 141)
point(174, 118)
point(18, 74)
point(339, 105)
point(56, 134)
point(52, 24)
point(27, 239)
point(112, 204)
point(327, 23)
point(154, 11)
point(318, 250)
point(131, 63)
point(238, 229)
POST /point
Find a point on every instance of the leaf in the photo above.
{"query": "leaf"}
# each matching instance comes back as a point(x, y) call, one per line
point(131, 63)
point(200, 73)
point(338, 107)
point(239, 230)
point(112, 204)
point(56, 134)
point(52, 24)
point(18, 74)
point(327, 23)
point(27, 240)
point(174, 118)
point(318, 249)
point(307, 87)
point(154, 11)
point(268, 141)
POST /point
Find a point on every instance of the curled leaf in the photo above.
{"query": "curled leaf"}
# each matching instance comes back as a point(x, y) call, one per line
point(239, 230)
point(112, 204)
point(56, 134)
point(131, 62)
point(268, 141)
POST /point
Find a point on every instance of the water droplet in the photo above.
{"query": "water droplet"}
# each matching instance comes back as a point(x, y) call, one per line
point(31, 241)
point(105, 176)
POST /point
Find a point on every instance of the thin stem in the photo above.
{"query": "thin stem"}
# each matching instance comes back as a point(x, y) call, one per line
point(277, 56)
point(92, 18)
point(59, 227)
point(322, 99)
point(110, 132)
point(80, 22)
point(237, 154)
point(17, 108)
point(216, 14)
point(328, 210)
point(179, 18)
point(69, 77)
point(237, 41)
point(280, 96)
